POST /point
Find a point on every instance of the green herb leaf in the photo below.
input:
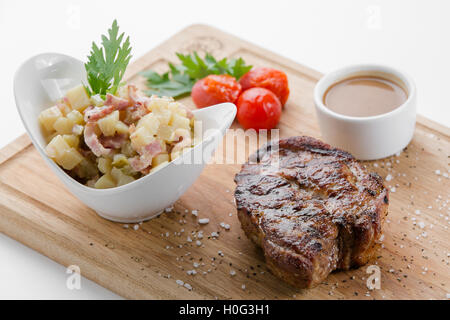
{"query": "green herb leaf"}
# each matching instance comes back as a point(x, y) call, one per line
point(181, 78)
point(106, 65)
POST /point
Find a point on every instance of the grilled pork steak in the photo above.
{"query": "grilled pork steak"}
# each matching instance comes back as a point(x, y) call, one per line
point(317, 211)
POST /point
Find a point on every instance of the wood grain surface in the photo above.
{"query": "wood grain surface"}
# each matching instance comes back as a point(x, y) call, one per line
point(145, 260)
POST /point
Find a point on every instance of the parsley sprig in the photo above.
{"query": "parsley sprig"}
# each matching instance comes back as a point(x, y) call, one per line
point(106, 65)
point(179, 80)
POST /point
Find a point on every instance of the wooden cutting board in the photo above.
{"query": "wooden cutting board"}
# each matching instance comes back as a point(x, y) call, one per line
point(37, 210)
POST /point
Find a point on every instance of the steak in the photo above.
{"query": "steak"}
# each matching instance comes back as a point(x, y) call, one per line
point(312, 209)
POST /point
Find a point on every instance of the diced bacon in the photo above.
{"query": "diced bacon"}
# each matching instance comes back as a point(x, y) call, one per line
point(146, 154)
point(133, 96)
point(114, 142)
point(138, 107)
point(116, 102)
point(92, 114)
point(183, 137)
point(92, 141)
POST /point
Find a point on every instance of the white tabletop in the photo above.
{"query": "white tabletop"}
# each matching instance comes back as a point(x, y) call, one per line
point(410, 35)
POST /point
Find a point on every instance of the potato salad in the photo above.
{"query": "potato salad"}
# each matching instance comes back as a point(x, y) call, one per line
point(105, 141)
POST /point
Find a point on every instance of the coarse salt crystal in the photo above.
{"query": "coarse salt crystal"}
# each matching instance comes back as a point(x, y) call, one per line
point(198, 243)
point(203, 221)
point(438, 172)
point(232, 273)
point(136, 226)
point(194, 213)
point(417, 212)
point(188, 286)
point(214, 234)
point(388, 177)
point(179, 282)
point(421, 224)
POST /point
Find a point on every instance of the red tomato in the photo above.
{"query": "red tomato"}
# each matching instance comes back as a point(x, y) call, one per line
point(215, 89)
point(271, 79)
point(258, 108)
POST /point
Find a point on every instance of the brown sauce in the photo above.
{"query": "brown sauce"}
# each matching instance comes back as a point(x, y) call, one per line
point(364, 96)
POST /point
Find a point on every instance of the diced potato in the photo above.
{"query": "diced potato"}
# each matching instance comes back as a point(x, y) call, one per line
point(104, 165)
point(86, 169)
point(97, 100)
point(63, 125)
point(50, 137)
point(174, 155)
point(108, 124)
point(119, 160)
point(175, 107)
point(157, 103)
point(69, 159)
point(178, 121)
point(160, 158)
point(149, 121)
point(77, 129)
point(78, 98)
point(127, 150)
point(160, 166)
point(121, 128)
point(122, 92)
point(106, 181)
point(76, 117)
point(56, 147)
point(163, 115)
point(128, 170)
point(140, 138)
point(120, 177)
point(72, 140)
point(165, 133)
point(48, 117)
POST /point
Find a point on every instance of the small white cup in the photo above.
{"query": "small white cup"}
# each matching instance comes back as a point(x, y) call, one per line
point(368, 138)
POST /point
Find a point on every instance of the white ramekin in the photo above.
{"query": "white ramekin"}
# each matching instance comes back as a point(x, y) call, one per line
point(367, 138)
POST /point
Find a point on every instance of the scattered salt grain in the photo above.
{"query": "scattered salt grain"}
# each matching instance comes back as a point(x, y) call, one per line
point(203, 221)
point(194, 213)
point(167, 210)
point(421, 224)
point(214, 234)
point(388, 177)
point(179, 282)
point(243, 287)
point(198, 243)
point(125, 226)
point(232, 273)
point(136, 226)
point(188, 286)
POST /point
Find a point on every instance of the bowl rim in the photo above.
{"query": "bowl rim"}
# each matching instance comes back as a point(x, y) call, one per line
point(346, 71)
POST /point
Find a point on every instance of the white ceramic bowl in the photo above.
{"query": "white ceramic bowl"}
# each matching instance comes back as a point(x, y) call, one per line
point(368, 138)
point(46, 77)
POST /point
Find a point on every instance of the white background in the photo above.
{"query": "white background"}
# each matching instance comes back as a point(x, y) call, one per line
point(411, 35)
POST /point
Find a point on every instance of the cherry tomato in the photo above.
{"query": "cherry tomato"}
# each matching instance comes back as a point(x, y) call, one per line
point(258, 108)
point(215, 89)
point(271, 79)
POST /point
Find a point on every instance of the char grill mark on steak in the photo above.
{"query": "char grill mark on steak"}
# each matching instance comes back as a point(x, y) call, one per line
point(318, 211)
